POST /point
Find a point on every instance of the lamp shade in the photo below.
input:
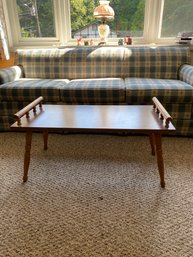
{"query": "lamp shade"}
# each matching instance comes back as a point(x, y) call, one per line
point(104, 10)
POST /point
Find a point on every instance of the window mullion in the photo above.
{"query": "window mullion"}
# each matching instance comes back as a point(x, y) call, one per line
point(62, 14)
point(13, 30)
point(152, 23)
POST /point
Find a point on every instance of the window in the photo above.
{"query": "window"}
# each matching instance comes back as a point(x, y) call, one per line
point(37, 22)
point(129, 18)
point(61, 22)
point(177, 17)
point(36, 18)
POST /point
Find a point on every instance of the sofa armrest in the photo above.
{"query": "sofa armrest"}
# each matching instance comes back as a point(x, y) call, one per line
point(10, 74)
point(186, 74)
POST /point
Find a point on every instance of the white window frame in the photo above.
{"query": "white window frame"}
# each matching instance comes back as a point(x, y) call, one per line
point(62, 20)
point(152, 26)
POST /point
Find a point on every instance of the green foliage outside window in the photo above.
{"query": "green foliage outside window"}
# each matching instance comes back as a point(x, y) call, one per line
point(129, 15)
point(36, 18)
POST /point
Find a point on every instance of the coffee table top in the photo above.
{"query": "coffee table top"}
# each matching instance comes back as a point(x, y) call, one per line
point(100, 118)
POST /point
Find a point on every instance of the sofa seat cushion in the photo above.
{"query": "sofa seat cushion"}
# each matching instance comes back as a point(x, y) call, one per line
point(93, 91)
point(29, 89)
point(141, 91)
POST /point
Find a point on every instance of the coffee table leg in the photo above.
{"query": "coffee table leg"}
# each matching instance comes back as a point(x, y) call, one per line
point(27, 154)
point(45, 136)
point(160, 162)
point(152, 143)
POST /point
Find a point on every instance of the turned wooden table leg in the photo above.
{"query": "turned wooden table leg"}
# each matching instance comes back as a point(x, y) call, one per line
point(45, 136)
point(152, 143)
point(160, 162)
point(27, 154)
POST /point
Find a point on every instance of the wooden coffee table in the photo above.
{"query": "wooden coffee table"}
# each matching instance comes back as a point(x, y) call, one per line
point(149, 119)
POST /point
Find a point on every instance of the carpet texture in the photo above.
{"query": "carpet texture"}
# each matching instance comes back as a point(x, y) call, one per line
point(95, 196)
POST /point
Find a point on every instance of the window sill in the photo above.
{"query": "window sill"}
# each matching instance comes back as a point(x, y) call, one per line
point(109, 44)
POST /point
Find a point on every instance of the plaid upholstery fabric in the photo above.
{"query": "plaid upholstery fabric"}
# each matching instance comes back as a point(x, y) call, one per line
point(9, 108)
point(93, 91)
point(183, 127)
point(158, 62)
point(141, 91)
point(186, 74)
point(147, 71)
point(6, 122)
point(179, 111)
point(10, 74)
point(102, 62)
point(72, 63)
point(29, 89)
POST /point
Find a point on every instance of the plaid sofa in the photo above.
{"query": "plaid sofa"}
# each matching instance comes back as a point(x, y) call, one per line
point(101, 75)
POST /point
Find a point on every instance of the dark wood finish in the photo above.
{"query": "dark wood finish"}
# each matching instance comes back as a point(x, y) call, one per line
point(45, 136)
point(152, 143)
point(158, 143)
point(100, 118)
point(27, 154)
point(95, 118)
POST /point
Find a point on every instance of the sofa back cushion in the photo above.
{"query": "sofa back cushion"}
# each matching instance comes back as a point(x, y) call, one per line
point(72, 63)
point(103, 62)
point(155, 62)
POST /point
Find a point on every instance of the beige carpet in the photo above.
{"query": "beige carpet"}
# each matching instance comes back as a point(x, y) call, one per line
point(95, 196)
